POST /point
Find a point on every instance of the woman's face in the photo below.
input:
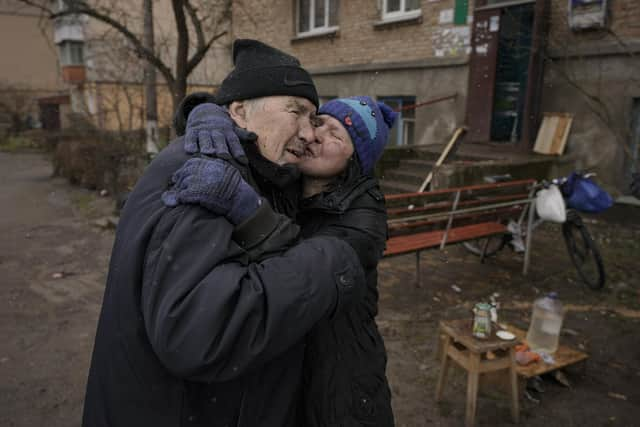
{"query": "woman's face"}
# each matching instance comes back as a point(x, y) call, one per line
point(329, 153)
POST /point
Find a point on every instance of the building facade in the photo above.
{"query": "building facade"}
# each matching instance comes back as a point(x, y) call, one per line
point(496, 66)
point(75, 68)
point(29, 70)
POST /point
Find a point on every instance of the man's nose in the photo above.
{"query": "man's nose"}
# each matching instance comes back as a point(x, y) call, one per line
point(306, 132)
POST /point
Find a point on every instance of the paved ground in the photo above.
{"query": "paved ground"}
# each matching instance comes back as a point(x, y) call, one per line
point(47, 323)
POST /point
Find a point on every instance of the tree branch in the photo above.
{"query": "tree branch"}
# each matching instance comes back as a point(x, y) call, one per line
point(197, 24)
point(201, 52)
point(79, 7)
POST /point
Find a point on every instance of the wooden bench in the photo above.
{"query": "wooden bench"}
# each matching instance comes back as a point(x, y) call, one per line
point(434, 219)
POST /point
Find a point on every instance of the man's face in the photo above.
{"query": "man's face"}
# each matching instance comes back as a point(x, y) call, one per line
point(330, 152)
point(283, 126)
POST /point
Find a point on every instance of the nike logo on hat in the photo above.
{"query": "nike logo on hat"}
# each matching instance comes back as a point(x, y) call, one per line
point(288, 82)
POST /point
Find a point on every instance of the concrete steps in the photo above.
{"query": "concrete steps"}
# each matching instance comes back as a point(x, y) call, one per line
point(403, 171)
point(408, 176)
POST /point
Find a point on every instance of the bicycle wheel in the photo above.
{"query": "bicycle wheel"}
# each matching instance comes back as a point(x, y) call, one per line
point(493, 244)
point(583, 252)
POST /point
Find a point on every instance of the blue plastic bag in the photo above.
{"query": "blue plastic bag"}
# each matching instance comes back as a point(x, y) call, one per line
point(584, 195)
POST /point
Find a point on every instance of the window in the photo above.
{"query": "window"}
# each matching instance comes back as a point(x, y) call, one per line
point(317, 16)
point(403, 131)
point(71, 52)
point(400, 9)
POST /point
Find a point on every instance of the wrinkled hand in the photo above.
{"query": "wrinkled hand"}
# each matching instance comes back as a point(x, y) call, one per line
point(211, 131)
point(215, 185)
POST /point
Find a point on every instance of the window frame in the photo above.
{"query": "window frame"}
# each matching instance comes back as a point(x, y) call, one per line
point(313, 31)
point(403, 122)
point(400, 14)
point(67, 49)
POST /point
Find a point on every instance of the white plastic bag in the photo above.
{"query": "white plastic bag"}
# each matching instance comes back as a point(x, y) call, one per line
point(550, 204)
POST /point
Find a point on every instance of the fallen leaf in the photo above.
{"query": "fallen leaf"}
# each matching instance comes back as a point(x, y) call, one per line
point(617, 396)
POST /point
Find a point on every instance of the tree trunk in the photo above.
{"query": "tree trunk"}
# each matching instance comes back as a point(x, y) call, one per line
point(150, 82)
point(179, 89)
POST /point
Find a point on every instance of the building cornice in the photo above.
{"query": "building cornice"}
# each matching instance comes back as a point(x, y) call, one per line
point(453, 61)
point(611, 48)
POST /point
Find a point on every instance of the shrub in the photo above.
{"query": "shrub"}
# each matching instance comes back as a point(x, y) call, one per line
point(98, 159)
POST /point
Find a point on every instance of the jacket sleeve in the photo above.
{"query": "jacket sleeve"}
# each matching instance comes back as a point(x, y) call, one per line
point(211, 316)
point(266, 233)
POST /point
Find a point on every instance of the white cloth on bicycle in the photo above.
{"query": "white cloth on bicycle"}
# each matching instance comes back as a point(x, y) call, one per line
point(550, 204)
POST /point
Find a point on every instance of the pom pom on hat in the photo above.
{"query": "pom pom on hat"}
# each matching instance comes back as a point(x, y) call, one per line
point(368, 123)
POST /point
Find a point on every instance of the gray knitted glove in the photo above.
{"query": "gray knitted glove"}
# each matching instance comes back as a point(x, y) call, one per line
point(216, 186)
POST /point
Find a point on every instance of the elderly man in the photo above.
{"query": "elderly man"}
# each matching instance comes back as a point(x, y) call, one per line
point(193, 329)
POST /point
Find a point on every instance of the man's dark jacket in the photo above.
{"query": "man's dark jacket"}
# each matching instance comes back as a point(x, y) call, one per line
point(192, 332)
point(345, 359)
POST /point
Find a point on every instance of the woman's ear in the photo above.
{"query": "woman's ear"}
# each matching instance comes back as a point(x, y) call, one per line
point(238, 113)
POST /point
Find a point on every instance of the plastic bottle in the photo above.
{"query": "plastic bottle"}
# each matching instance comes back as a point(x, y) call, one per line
point(546, 322)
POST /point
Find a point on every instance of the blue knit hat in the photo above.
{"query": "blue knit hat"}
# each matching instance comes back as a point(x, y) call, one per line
point(368, 123)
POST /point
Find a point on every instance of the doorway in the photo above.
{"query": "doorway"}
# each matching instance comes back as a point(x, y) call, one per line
point(50, 116)
point(512, 71)
point(506, 70)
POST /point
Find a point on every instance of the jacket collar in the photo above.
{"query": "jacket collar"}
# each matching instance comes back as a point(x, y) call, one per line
point(339, 199)
point(281, 185)
point(282, 177)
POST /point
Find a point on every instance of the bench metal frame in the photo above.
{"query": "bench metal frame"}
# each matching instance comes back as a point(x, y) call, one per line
point(528, 204)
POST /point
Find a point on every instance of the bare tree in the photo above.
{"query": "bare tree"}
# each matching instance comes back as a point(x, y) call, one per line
point(15, 104)
point(150, 81)
point(189, 18)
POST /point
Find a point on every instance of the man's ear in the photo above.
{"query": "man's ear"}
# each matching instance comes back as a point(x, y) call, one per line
point(238, 113)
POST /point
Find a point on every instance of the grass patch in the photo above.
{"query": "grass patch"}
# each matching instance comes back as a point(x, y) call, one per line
point(83, 202)
point(13, 144)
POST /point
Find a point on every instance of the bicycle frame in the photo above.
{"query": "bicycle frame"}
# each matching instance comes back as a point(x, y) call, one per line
point(533, 220)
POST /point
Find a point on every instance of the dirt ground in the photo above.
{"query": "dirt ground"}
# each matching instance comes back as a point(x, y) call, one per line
point(47, 322)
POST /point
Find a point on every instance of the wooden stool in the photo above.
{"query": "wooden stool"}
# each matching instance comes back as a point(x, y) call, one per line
point(470, 353)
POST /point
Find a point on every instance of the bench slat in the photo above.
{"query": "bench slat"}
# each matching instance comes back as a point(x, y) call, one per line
point(448, 204)
point(479, 187)
point(486, 216)
point(414, 242)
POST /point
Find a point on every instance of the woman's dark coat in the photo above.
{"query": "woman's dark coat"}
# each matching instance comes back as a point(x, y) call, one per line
point(345, 358)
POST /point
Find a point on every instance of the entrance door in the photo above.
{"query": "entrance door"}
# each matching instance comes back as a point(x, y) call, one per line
point(506, 71)
point(512, 70)
point(50, 116)
point(482, 74)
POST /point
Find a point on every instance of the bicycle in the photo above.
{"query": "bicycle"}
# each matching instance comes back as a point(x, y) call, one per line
point(583, 251)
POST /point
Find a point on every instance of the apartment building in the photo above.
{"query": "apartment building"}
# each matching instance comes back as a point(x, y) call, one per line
point(30, 77)
point(496, 66)
point(75, 68)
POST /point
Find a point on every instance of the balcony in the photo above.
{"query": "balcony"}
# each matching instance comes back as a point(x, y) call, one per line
point(74, 74)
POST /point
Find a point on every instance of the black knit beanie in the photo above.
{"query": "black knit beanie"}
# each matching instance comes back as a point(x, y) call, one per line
point(261, 70)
